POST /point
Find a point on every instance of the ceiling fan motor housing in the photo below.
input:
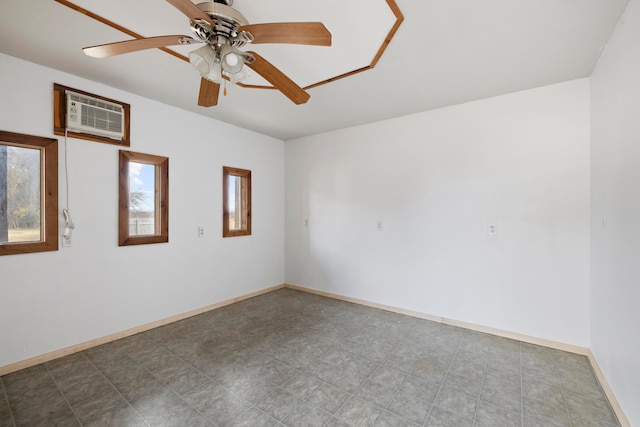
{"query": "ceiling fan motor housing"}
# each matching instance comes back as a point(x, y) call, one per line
point(227, 21)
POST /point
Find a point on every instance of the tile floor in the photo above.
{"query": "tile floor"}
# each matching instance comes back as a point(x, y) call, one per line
point(289, 358)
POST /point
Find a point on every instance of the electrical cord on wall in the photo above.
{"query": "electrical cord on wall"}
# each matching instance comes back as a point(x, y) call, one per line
point(69, 225)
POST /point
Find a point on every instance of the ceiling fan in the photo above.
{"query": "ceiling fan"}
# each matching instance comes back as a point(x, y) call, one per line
point(223, 30)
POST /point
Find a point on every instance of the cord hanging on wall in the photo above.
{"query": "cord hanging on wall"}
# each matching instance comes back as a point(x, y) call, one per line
point(69, 225)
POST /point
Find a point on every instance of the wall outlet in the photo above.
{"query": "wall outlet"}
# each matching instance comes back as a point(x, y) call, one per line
point(201, 231)
point(492, 228)
point(379, 225)
point(66, 241)
point(306, 222)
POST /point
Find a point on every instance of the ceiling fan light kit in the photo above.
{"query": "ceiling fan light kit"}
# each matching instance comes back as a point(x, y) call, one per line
point(224, 30)
point(205, 62)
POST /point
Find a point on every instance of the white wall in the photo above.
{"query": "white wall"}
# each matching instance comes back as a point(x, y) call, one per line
point(615, 194)
point(436, 179)
point(95, 288)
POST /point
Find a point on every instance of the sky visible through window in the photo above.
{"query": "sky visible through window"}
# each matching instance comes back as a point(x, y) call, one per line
point(142, 179)
point(234, 184)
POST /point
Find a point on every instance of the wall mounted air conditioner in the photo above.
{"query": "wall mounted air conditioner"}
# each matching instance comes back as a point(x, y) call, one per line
point(94, 116)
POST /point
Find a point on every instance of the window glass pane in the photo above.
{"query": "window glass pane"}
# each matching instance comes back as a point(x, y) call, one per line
point(20, 196)
point(142, 199)
point(236, 199)
point(235, 202)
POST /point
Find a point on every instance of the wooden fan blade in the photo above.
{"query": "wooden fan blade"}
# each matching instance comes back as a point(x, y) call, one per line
point(118, 48)
point(278, 79)
point(191, 11)
point(209, 92)
point(309, 33)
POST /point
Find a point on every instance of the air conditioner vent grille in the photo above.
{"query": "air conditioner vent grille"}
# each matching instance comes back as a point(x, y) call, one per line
point(101, 119)
point(92, 115)
point(95, 102)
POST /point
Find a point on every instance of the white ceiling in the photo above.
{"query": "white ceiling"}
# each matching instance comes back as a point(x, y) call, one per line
point(445, 52)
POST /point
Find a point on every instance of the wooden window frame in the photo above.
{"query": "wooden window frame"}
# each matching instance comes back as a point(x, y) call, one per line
point(162, 199)
point(48, 193)
point(245, 176)
point(60, 117)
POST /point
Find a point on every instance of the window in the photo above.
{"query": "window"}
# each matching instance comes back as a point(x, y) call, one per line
point(236, 200)
point(28, 194)
point(144, 199)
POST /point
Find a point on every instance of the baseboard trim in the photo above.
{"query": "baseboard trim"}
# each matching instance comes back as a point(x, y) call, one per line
point(615, 405)
point(23, 364)
point(471, 326)
point(519, 337)
point(364, 303)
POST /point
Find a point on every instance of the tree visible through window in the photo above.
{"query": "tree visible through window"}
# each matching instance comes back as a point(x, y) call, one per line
point(144, 199)
point(22, 202)
point(236, 199)
point(28, 193)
